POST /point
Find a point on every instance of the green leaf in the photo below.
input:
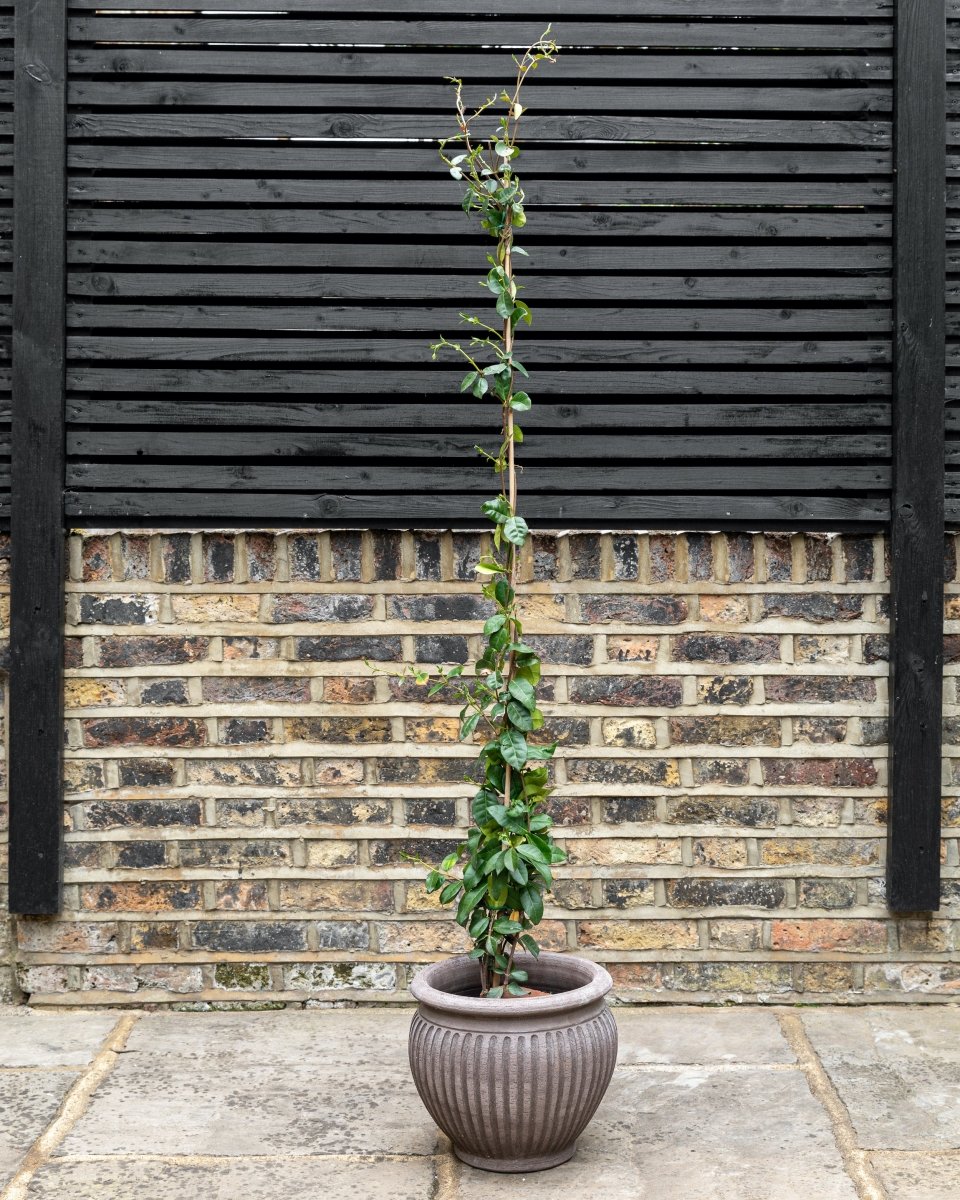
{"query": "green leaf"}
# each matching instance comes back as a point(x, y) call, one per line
point(468, 381)
point(514, 989)
point(452, 889)
point(498, 813)
point(481, 387)
point(492, 624)
point(504, 593)
point(520, 690)
point(495, 280)
point(518, 975)
point(530, 944)
point(516, 867)
point(506, 926)
point(513, 747)
point(434, 880)
point(468, 903)
point(541, 821)
point(504, 306)
point(531, 853)
point(449, 862)
point(502, 150)
point(532, 900)
point(468, 726)
point(520, 402)
point(495, 993)
point(478, 925)
point(519, 717)
point(542, 752)
point(515, 530)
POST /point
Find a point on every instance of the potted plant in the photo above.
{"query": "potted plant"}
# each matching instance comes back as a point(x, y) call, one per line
point(511, 1049)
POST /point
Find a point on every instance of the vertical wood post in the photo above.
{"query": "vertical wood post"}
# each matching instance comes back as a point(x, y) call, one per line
point(916, 622)
point(37, 534)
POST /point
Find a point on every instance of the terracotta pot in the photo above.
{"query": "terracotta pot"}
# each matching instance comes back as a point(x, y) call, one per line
point(513, 1083)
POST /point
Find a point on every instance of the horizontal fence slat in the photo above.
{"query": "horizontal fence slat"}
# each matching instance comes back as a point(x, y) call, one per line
point(261, 413)
point(432, 380)
point(552, 9)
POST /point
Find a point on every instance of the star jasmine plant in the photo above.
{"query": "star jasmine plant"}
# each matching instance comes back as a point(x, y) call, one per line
point(498, 876)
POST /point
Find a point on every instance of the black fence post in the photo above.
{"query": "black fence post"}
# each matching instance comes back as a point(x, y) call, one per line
point(37, 533)
point(916, 616)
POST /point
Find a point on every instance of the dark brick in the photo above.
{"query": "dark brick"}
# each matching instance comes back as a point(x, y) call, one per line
point(652, 691)
point(338, 729)
point(949, 558)
point(83, 854)
point(619, 770)
point(466, 555)
point(883, 608)
point(755, 812)
point(151, 651)
point(387, 562)
point(175, 556)
point(857, 558)
point(430, 812)
point(584, 555)
point(626, 810)
point(391, 853)
point(818, 548)
point(232, 852)
point(142, 854)
point(153, 935)
point(828, 893)
point(876, 648)
point(725, 647)
point(663, 557)
point(250, 647)
point(426, 770)
point(951, 648)
point(725, 689)
point(325, 606)
point(573, 893)
point(740, 565)
point(149, 814)
point(634, 610)
point(164, 691)
point(345, 649)
point(821, 731)
point(730, 772)
point(145, 772)
point(438, 608)
point(778, 556)
point(441, 648)
point(725, 731)
point(426, 556)
point(247, 813)
point(699, 556)
point(218, 557)
point(544, 557)
point(718, 893)
point(341, 689)
point(144, 731)
point(304, 554)
point(625, 557)
point(627, 893)
point(874, 731)
point(333, 812)
point(117, 610)
point(824, 772)
point(818, 689)
point(345, 555)
point(737, 977)
point(140, 897)
point(240, 732)
point(95, 559)
point(245, 689)
point(568, 811)
point(73, 653)
point(343, 935)
point(568, 649)
point(568, 731)
point(261, 557)
point(250, 935)
point(250, 772)
point(812, 606)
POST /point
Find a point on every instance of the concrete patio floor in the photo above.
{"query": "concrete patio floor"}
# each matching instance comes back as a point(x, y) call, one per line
point(706, 1103)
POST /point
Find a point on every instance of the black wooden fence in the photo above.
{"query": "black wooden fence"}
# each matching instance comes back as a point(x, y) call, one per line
point(739, 315)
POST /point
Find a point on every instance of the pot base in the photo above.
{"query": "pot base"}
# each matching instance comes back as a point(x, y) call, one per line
point(517, 1166)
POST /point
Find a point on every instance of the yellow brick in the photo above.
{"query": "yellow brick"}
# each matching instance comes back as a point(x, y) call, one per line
point(639, 935)
point(720, 852)
point(213, 609)
point(725, 610)
point(622, 852)
point(93, 693)
point(630, 731)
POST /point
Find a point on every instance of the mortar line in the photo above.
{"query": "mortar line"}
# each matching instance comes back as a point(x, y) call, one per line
point(73, 1107)
point(856, 1161)
point(218, 1160)
point(446, 1182)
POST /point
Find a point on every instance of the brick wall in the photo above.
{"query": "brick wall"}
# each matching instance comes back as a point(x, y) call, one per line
point(240, 787)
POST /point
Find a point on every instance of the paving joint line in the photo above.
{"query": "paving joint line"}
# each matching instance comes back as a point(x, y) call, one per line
point(856, 1161)
point(446, 1181)
point(72, 1108)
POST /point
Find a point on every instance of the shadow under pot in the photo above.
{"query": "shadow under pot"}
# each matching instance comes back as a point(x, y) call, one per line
point(513, 1083)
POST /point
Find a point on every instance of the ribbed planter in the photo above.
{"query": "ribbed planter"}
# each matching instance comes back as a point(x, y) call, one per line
point(513, 1083)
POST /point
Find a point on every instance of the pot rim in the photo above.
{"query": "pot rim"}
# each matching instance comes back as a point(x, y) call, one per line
point(598, 983)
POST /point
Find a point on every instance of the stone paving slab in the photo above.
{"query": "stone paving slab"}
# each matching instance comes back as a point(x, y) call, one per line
point(897, 1070)
point(29, 1101)
point(918, 1176)
point(239, 1107)
point(700, 1035)
point(51, 1039)
point(250, 1179)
